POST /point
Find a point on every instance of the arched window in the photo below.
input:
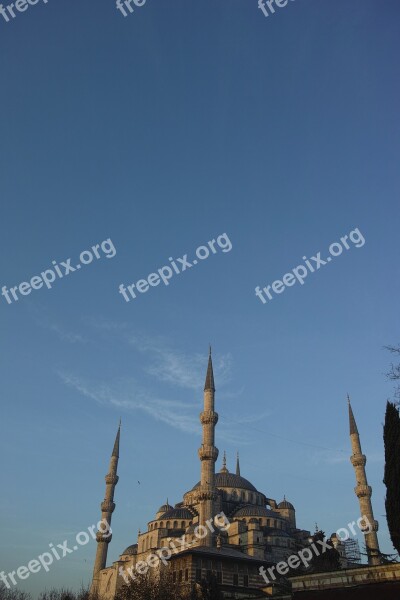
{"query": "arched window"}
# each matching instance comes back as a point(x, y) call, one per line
point(162, 525)
point(183, 525)
point(168, 525)
point(175, 525)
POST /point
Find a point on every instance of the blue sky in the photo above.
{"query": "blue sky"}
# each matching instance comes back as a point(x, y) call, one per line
point(161, 131)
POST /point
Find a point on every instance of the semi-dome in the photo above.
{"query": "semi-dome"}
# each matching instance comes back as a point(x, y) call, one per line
point(177, 513)
point(130, 550)
point(230, 480)
point(255, 511)
point(286, 504)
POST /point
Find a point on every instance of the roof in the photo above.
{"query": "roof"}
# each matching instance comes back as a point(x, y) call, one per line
point(286, 504)
point(209, 384)
point(223, 552)
point(130, 550)
point(164, 508)
point(230, 480)
point(255, 511)
point(177, 513)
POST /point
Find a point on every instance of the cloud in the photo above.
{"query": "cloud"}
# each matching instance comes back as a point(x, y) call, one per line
point(65, 336)
point(166, 364)
point(128, 395)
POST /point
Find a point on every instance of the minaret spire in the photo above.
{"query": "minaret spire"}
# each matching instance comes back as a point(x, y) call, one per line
point(103, 537)
point(363, 492)
point(209, 384)
point(207, 493)
point(237, 465)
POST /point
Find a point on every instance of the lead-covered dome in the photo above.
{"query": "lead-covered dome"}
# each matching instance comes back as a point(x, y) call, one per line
point(177, 513)
point(130, 550)
point(286, 504)
point(255, 511)
point(230, 480)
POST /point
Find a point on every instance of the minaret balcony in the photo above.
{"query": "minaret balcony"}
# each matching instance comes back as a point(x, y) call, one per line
point(367, 526)
point(103, 538)
point(363, 491)
point(107, 506)
point(208, 417)
point(358, 460)
point(203, 494)
point(112, 479)
point(208, 453)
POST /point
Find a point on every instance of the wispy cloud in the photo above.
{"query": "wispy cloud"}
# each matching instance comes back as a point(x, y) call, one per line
point(128, 395)
point(62, 334)
point(165, 363)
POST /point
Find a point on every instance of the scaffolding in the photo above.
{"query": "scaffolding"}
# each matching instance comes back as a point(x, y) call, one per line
point(352, 550)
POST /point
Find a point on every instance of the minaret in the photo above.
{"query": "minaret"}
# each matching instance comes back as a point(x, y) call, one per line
point(208, 454)
point(107, 508)
point(363, 491)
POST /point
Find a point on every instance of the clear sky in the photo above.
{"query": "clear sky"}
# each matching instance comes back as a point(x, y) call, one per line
point(162, 131)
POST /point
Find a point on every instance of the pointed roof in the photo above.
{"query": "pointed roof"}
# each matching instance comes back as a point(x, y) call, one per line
point(115, 451)
point(237, 465)
point(352, 421)
point(209, 384)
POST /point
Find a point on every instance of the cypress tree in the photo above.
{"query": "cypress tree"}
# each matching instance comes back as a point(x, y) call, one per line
point(391, 436)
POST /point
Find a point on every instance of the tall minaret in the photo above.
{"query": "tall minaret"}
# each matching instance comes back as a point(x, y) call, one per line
point(363, 491)
point(107, 508)
point(208, 454)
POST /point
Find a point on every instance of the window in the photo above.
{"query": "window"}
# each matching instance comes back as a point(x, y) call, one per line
point(198, 574)
point(235, 579)
point(186, 574)
point(174, 576)
point(219, 576)
point(246, 580)
point(180, 576)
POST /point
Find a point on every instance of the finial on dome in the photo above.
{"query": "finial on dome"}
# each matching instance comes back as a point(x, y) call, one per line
point(224, 467)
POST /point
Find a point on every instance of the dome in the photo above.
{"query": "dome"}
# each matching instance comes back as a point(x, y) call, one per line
point(177, 513)
point(286, 504)
point(164, 508)
point(230, 480)
point(254, 511)
point(130, 550)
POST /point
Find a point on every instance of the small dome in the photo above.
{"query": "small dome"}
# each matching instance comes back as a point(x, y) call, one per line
point(286, 504)
point(164, 508)
point(130, 550)
point(177, 513)
point(255, 511)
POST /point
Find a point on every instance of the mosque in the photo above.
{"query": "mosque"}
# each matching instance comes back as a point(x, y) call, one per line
point(261, 531)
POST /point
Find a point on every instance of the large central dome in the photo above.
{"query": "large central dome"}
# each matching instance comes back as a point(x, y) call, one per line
point(230, 480)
